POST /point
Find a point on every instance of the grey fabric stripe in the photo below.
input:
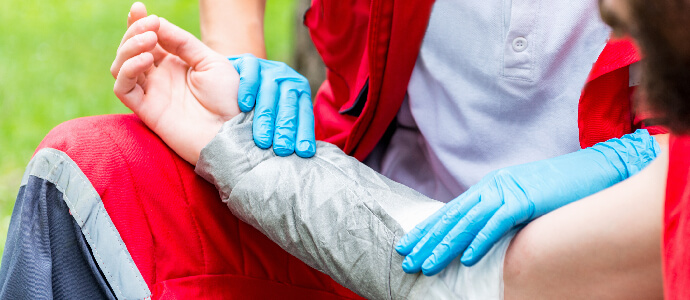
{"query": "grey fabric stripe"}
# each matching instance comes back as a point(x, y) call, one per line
point(86, 207)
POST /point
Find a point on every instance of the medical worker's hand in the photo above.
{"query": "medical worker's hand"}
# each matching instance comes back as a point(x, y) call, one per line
point(472, 223)
point(284, 116)
point(180, 88)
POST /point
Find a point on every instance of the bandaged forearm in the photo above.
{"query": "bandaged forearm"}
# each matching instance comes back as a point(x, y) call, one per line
point(330, 211)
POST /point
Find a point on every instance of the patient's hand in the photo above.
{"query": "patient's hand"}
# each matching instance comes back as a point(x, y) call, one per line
point(180, 88)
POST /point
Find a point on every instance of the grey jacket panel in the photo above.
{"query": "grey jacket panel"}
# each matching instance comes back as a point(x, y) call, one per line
point(330, 211)
point(61, 242)
point(46, 255)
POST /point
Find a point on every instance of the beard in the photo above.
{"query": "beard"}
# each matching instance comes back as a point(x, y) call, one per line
point(661, 28)
point(662, 31)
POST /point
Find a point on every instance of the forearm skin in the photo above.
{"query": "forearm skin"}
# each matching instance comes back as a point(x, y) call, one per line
point(233, 27)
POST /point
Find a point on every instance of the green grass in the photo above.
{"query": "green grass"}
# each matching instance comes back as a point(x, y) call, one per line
point(55, 57)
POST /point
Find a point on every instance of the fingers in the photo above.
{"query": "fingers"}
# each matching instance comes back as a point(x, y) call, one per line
point(150, 23)
point(179, 42)
point(143, 42)
point(458, 215)
point(410, 240)
point(265, 114)
point(286, 121)
point(413, 262)
point(494, 230)
point(136, 12)
point(457, 240)
point(126, 87)
point(284, 115)
point(249, 69)
point(306, 141)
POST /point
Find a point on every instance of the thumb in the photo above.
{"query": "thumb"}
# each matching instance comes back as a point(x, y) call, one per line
point(179, 42)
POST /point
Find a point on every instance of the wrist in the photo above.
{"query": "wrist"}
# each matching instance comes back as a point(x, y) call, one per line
point(630, 153)
point(198, 144)
point(574, 176)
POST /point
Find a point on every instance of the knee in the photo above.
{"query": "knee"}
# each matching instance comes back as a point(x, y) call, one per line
point(112, 147)
point(91, 141)
point(94, 134)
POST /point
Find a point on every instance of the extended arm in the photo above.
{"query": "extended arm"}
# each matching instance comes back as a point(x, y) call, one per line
point(342, 218)
point(606, 246)
point(344, 226)
point(514, 196)
point(331, 211)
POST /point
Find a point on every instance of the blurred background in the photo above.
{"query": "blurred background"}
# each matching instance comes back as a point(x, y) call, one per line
point(55, 57)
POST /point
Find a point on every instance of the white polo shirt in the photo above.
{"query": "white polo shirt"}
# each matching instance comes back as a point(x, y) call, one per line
point(496, 83)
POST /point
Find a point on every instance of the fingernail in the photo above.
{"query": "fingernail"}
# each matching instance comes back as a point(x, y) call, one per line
point(467, 256)
point(399, 247)
point(408, 264)
point(401, 243)
point(247, 104)
point(428, 263)
point(282, 147)
point(305, 146)
point(264, 135)
point(282, 152)
point(262, 142)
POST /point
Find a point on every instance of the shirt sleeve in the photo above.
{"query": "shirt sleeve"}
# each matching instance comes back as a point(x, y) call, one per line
point(330, 211)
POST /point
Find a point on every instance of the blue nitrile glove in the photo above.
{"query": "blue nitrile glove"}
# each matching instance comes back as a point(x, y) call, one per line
point(515, 195)
point(284, 116)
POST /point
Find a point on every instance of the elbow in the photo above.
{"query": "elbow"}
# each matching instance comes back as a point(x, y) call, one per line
point(519, 268)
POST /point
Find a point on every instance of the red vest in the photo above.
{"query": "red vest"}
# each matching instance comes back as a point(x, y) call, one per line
point(371, 46)
point(676, 256)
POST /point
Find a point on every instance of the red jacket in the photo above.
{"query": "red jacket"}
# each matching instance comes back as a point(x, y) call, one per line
point(675, 253)
point(370, 48)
